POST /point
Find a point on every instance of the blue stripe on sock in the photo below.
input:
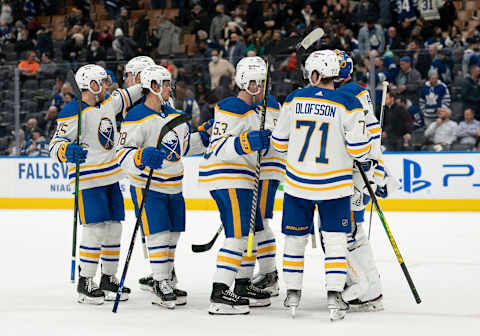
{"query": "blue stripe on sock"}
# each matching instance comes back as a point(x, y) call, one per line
point(292, 256)
point(157, 247)
point(335, 272)
point(111, 246)
point(231, 252)
point(336, 258)
point(158, 261)
point(292, 271)
point(267, 242)
point(90, 248)
point(170, 260)
point(88, 261)
point(108, 259)
point(172, 246)
point(227, 268)
point(266, 256)
point(248, 265)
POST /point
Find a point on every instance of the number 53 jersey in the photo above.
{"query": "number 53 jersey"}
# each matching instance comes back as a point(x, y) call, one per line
point(322, 131)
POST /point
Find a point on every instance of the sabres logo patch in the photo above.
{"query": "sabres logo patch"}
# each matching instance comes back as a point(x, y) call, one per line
point(106, 133)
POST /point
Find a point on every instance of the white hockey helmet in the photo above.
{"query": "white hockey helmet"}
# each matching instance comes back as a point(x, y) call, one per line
point(154, 73)
point(137, 64)
point(249, 69)
point(88, 73)
point(324, 62)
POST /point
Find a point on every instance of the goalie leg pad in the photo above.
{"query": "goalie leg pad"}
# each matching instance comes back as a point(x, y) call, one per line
point(229, 259)
point(90, 248)
point(266, 249)
point(111, 247)
point(158, 248)
point(335, 260)
point(293, 261)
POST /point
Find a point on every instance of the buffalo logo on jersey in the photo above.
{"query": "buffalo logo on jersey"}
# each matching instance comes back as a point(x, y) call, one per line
point(106, 133)
point(171, 143)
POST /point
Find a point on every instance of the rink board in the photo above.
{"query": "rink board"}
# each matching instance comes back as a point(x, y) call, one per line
point(427, 182)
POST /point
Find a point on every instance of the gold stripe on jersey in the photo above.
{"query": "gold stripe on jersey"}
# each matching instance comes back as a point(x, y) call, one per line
point(235, 114)
point(349, 184)
point(361, 93)
point(93, 165)
point(158, 184)
point(226, 164)
point(228, 178)
point(359, 151)
point(338, 171)
point(74, 116)
point(237, 226)
point(146, 230)
point(97, 176)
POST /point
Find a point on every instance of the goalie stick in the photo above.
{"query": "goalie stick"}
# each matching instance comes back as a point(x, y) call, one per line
point(301, 46)
point(389, 234)
point(169, 126)
point(78, 94)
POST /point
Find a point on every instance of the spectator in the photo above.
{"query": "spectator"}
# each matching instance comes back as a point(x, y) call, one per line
point(6, 13)
point(5, 33)
point(408, 80)
point(90, 34)
point(122, 22)
point(96, 52)
point(433, 95)
point(47, 67)
point(371, 37)
point(385, 12)
point(218, 67)
point(73, 46)
point(74, 18)
point(44, 41)
point(431, 12)
point(48, 124)
point(468, 131)
point(29, 67)
point(113, 8)
point(29, 10)
point(218, 23)
point(236, 49)
point(392, 41)
point(24, 42)
point(124, 47)
point(364, 10)
point(307, 13)
point(471, 54)
point(448, 14)
point(140, 34)
point(396, 125)
point(442, 133)
point(168, 36)
point(200, 19)
point(470, 90)
point(105, 38)
point(415, 138)
point(38, 145)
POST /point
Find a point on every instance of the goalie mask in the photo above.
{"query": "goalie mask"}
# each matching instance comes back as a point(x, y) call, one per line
point(91, 73)
point(250, 69)
point(137, 64)
point(345, 63)
point(157, 74)
point(324, 62)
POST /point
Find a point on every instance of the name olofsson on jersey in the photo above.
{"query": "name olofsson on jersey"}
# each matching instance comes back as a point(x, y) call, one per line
point(315, 109)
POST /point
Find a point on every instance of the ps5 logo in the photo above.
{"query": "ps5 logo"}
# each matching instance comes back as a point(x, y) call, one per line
point(411, 174)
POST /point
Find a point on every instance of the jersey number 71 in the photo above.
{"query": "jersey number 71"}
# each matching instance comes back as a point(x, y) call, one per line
point(312, 125)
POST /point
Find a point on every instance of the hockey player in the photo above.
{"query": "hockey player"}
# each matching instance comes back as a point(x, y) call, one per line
point(271, 173)
point(364, 291)
point(163, 218)
point(228, 170)
point(322, 131)
point(101, 205)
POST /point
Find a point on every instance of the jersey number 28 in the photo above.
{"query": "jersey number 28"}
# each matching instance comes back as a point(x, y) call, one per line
point(311, 126)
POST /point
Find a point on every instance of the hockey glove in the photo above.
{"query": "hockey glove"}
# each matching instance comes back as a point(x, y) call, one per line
point(71, 152)
point(249, 142)
point(381, 192)
point(150, 157)
point(204, 129)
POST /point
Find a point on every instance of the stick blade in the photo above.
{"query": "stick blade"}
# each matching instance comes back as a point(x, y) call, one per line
point(311, 38)
point(201, 248)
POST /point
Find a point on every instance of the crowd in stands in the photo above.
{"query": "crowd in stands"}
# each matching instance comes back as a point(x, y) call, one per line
point(428, 51)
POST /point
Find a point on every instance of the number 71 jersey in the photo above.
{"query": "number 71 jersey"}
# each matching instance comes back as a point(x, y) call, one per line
point(322, 131)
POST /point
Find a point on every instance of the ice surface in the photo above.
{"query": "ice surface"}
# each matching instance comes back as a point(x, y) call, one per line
point(441, 250)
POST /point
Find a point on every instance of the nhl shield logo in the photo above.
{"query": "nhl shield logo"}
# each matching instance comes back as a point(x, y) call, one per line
point(345, 222)
point(171, 143)
point(106, 134)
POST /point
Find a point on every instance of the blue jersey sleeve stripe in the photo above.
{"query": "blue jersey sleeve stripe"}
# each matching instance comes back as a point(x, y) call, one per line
point(220, 147)
point(373, 124)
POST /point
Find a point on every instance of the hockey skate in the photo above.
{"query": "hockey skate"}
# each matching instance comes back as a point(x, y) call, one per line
point(292, 301)
point(268, 282)
point(163, 294)
point(109, 285)
point(181, 294)
point(146, 283)
point(89, 292)
point(256, 296)
point(338, 308)
point(225, 302)
point(373, 305)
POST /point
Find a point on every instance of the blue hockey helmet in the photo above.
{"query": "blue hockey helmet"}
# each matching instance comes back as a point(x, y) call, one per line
point(346, 64)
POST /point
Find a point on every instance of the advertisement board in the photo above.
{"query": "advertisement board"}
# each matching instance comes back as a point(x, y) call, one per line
point(428, 182)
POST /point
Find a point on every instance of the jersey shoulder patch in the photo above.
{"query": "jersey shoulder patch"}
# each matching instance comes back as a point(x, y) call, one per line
point(234, 106)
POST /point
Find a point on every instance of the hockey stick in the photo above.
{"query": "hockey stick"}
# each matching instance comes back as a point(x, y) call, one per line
point(389, 233)
point(382, 112)
point(207, 246)
point(78, 94)
point(165, 129)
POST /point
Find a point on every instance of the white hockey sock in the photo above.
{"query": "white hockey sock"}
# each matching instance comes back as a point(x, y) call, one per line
point(266, 249)
point(293, 261)
point(174, 236)
point(90, 248)
point(335, 260)
point(229, 260)
point(248, 263)
point(158, 246)
point(111, 247)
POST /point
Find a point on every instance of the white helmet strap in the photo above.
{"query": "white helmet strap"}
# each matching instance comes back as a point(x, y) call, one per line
point(159, 93)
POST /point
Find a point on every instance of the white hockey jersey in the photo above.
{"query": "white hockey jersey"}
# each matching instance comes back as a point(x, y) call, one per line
point(222, 167)
point(99, 136)
point(322, 131)
point(141, 128)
